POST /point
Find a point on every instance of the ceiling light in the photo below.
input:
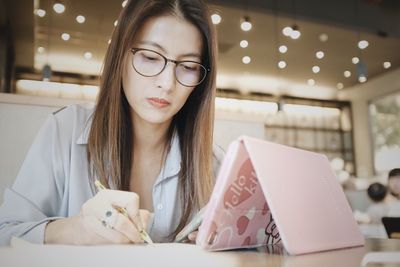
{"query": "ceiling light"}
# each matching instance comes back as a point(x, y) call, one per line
point(41, 13)
point(355, 60)
point(315, 69)
point(282, 64)
point(387, 64)
point(283, 49)
point(319, 54)
point(362, 79)
point(323, 37)
point(363, 44)
point(295, 33)
point(246, 59)
point(216, 18)
point(339, 86)
point(88, 55)
point(80, 19)
point(246, 24)
point(59, 8)
point(115, 23)
point(287, 31)
point(311, 82)
point(40, 49)
point(124, 3)
point(347, 74)
point(65, 36)
point(244, 44)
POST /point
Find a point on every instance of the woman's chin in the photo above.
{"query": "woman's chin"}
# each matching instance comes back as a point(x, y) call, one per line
point(157, 118)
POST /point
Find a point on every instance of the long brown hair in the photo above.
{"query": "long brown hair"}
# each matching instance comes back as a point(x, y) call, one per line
point(110, 140)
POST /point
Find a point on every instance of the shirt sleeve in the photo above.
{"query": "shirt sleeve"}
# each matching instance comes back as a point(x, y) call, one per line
point(34, 198)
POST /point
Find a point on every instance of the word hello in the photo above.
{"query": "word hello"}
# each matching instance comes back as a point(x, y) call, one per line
point(243, 187)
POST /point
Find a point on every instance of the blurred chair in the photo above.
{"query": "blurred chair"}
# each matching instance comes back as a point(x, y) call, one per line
point(21, 117)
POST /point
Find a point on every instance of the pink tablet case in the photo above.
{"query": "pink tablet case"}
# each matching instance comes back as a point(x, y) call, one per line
point(268, 193)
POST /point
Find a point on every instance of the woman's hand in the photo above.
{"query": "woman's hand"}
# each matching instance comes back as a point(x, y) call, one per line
point(192, 237)
point(100, 222)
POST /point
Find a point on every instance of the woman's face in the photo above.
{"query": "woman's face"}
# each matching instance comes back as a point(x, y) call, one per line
point(158, 98)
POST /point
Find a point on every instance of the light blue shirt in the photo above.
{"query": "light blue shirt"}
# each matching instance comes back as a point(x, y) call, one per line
point(54, 183)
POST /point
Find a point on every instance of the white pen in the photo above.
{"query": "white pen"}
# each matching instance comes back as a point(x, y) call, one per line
point(193, 225)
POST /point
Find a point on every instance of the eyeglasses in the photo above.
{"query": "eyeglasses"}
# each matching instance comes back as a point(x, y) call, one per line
point(150, 63)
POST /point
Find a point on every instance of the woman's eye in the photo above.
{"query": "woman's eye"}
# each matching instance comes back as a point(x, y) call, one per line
point(189, 67)
point(150, 58)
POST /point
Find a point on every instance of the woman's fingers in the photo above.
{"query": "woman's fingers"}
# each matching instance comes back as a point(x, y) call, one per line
point(124, 226)
point(129, 202)
point(139, 217)
point(145, 216)
point(101, 234)
point(124, 199)
point(119, 229)
point(109, 215)
point(192, 236)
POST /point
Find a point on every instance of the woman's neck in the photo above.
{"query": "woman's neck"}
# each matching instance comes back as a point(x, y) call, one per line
point(149, 137)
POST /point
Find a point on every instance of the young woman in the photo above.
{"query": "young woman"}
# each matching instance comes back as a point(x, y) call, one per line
point(149, 137)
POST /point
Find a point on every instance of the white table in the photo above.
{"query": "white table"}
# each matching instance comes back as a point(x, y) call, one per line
point(188, 255)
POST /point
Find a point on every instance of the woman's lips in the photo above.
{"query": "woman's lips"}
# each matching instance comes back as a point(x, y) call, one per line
point(157, 102)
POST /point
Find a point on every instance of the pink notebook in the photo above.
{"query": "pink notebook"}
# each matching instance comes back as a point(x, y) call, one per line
point(268, 193)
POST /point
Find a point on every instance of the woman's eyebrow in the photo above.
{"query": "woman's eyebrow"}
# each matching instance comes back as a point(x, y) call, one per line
point(163, 49)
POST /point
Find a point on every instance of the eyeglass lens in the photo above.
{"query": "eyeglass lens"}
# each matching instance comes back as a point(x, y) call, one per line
point(149, 63)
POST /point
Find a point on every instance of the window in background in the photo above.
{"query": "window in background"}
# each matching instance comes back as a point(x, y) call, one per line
point(319, 127)
point(384, 115)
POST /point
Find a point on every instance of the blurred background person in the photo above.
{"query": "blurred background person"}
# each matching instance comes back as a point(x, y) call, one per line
point(377, 192)
point(394, 183)
point(394, 189)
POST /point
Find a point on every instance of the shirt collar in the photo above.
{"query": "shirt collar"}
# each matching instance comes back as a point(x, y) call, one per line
point(172, 164)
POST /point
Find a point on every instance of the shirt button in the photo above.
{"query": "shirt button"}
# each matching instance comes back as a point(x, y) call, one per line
point(159, 206)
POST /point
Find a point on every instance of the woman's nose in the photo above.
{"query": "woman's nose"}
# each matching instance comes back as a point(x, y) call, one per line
point(166, 79)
